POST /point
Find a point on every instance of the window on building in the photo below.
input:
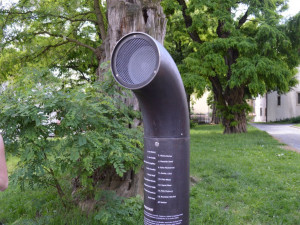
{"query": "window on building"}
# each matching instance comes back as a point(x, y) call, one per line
point(298, 100)
point(278, 100)
point(266, 111)
point(260, 112)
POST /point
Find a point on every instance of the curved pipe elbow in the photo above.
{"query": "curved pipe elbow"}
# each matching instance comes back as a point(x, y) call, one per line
point(160, 89)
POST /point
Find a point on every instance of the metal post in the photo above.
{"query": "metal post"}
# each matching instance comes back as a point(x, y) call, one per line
point(142, 64)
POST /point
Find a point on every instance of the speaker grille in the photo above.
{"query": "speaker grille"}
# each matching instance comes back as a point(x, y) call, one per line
point(136, 61)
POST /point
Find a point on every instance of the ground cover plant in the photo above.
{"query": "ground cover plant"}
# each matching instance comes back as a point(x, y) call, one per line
point(242, 179)
point(290, 120)
point(36, 205)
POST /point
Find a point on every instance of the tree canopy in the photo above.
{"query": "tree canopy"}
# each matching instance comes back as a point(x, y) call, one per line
point(71, 37)
point(65, 36)
point(240, 47)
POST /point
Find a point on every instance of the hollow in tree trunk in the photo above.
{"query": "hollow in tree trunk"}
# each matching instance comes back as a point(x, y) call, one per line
point(125, 16)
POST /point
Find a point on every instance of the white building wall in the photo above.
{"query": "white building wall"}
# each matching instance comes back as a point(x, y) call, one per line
point(260, 109)
point(288, 107)
point(199, 105)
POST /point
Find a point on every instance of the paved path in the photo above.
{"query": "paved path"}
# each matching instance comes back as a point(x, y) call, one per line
point(285, 133)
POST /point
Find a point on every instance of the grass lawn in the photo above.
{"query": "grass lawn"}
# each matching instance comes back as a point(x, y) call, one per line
point(297, 125)
point(243, 179)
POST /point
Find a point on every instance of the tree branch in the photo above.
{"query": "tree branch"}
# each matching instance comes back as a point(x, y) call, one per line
point(68, 39)
point(47, 48)
point(188, 22)
point(217, 89)
point(243, 19)
point(71, 19)
point(80, 44)
point(37, 12)
point(100, 20)
point(81, 72)
point(220, 32)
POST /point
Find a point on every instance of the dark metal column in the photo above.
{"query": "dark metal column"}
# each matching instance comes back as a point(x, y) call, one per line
point(143, 65)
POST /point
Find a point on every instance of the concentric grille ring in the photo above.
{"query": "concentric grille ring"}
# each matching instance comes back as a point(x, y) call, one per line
point(136, 60)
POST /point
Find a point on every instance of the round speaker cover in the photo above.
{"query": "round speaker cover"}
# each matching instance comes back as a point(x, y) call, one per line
point(135, 60)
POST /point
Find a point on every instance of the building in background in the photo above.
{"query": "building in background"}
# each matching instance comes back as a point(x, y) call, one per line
point(200, 110)
point(275, 107)
point(267, 108)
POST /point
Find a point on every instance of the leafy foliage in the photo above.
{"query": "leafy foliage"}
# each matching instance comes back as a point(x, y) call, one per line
point(63, 36)
point(241, 48)
point(90, 129)
point(42, 206)
point(118, 211)
point(180, 47)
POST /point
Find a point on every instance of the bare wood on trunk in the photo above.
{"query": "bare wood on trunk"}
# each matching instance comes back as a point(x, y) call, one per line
point(125, 16)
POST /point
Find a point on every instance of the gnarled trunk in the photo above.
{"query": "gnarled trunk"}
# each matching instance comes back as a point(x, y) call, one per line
point(125, 16)
point(238, 124)
point(234, 113)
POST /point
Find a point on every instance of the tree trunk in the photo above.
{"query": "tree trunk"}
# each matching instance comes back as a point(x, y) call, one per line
point(125, 16)
point(236, 125)
point(215, 118)
point(234, 113)
point(189, 105)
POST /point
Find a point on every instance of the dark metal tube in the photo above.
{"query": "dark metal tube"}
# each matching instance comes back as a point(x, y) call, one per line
point(142, 64)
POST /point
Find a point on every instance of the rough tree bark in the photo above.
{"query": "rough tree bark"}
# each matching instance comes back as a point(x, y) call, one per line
point(237, 122)
point(234, 116)
point(125, 16)
point(215, 119)
point(233, 119)
point(230, 100)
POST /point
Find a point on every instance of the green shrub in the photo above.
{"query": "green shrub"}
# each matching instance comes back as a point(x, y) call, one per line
point(119, 211)
point(295, 119)
point(290, 120)
point(88, 125)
